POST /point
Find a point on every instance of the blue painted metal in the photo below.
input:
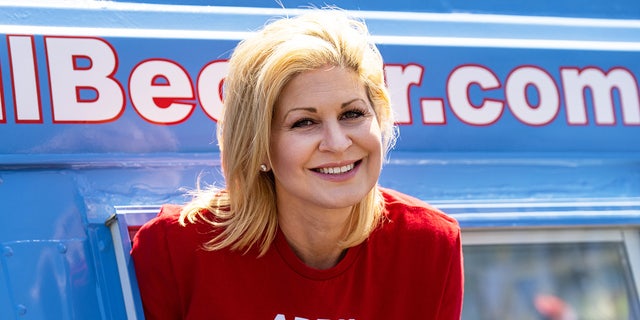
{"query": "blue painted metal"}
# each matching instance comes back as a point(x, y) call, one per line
point(60, 182)
point(594, 213)
point(571, 8)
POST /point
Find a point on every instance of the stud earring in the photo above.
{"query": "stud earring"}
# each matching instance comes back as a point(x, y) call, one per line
point(263, 167)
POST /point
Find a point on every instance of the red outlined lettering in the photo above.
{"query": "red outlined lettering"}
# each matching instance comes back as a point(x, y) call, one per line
point(399, 79)
point(24, 78)
point(210, 83)
point(548, 106)
point(3, 119)
point(65, 79)
point(458, 84)
point(433, 111)
point(578, 82)
point(83, 89)
point(160, 91)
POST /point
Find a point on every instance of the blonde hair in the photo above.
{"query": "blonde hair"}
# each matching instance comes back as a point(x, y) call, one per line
point(259, 69)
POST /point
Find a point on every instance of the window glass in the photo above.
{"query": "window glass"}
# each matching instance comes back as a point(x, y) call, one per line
point(563, 281)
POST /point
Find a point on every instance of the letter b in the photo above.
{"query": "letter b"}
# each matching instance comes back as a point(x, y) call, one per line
point(83, 88)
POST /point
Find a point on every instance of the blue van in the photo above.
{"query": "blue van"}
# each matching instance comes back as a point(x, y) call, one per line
point(521, 120)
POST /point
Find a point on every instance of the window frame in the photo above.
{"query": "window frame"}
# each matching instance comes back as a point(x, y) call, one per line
point(560, 221)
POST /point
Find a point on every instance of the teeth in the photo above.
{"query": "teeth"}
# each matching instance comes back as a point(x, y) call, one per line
point(337, 170)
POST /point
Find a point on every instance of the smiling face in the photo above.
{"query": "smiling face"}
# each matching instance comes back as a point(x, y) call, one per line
point(326, 150)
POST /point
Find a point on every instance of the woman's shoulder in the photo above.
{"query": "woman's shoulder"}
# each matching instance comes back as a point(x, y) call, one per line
point(168, 215)
point(410, 213)
point(166, 225)
point(168, 218)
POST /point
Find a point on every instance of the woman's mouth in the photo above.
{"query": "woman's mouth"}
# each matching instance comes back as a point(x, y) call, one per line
point(338, 170)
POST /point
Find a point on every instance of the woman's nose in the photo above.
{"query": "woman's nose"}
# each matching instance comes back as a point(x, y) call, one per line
point(334, 138)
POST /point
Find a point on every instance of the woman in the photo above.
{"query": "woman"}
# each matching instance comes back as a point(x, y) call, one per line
point(301, 229)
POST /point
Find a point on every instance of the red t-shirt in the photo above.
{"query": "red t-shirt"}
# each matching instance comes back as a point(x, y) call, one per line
point(409, 268)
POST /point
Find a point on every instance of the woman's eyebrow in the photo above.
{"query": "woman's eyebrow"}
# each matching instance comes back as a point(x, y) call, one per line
point(309, 109)
point(346, 104)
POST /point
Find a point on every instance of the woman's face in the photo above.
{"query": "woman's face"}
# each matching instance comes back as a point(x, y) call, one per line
point(325, 142)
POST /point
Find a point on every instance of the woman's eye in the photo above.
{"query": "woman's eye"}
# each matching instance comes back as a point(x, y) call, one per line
point(353, 114)
point(302, 123)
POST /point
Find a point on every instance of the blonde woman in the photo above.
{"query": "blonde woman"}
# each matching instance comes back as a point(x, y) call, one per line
point(301, 229)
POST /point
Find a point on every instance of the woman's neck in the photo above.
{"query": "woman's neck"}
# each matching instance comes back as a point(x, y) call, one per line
point(314, 235)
